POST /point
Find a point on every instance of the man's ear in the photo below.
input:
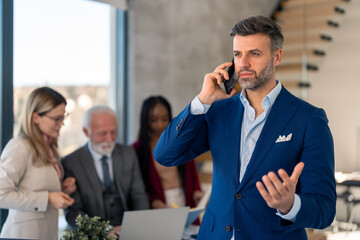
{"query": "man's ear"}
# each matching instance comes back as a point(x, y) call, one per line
point(277, 57)
point(86, 132)
point(35, 117)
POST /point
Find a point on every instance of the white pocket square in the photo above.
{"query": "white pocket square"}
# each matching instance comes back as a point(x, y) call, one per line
point(284, 138)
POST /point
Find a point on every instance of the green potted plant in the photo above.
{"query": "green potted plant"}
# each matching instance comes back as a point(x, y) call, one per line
point(88, 229)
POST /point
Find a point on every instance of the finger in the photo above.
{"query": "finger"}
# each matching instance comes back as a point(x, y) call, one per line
point(67, 197)
point(67, 184)
point(266, 196)
point(279, 186)
point(270, 187)
point(218, 77)
point(287, 182)
point(224, 73)
point(223, 66)
point(70, 180)
point(66, 180)
point(297, 171)
point(233, 91)
point(69, 202)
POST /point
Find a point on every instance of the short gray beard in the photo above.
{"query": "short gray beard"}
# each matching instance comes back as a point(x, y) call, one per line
point(109, 147)
point(259, 80)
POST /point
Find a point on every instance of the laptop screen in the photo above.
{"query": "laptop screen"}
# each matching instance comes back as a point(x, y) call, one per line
point(154, 224)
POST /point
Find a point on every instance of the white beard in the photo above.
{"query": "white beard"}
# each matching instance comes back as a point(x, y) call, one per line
point(104, 148)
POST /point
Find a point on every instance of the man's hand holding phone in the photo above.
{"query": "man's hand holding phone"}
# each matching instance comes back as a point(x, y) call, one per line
point(211, 90)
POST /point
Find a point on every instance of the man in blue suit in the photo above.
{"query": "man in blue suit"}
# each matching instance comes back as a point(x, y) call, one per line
point(273, 154)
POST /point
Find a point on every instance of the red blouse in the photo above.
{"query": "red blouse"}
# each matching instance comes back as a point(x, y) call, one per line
point(190, 184)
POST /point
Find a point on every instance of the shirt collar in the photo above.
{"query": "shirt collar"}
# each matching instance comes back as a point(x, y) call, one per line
point(268, 100)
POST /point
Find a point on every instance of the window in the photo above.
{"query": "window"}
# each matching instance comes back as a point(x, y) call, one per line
point(64, 45)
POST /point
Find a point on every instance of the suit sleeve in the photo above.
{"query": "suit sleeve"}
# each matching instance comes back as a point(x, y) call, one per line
point(73, 211)
point(15, 159)
point(184, 139)
point(316, 187)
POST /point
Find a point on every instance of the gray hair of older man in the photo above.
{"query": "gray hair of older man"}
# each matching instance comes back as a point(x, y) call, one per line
point(97, 109)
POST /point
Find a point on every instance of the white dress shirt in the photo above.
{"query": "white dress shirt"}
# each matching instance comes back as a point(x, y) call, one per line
point(97, 161)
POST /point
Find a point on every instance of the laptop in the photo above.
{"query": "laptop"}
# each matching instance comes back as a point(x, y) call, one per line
point(154, 224)
point(195, 212)
point(161, 224)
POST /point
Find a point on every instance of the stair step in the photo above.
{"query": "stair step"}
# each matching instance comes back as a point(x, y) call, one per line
point(297, 43)
point(314, 60)
point(295, 84)
point(327, 10)
point(292, 76)
point(313, 25)
point(295, 67)
point(291, 4)
point(299, 39)
point(319, 44)
point(299, 52)
point(292, 72)
point(314, 56)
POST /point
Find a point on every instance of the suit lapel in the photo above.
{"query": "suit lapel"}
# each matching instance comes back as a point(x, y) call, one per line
point(117, 168)
point(88, 165)
point(232, 124)
point(279, 116)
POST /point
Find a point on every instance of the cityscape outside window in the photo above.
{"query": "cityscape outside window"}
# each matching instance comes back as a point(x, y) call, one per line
point(64, 45)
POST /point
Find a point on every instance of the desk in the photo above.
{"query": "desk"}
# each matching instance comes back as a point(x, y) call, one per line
point(350, 183)
point(348, 180)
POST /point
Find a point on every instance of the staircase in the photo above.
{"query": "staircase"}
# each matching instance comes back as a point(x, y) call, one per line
point(309, 27)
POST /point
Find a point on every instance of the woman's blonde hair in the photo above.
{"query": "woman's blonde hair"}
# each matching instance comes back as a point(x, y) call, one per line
point(40, 101)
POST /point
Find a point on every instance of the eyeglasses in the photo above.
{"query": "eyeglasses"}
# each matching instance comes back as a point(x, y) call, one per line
point(58, 120)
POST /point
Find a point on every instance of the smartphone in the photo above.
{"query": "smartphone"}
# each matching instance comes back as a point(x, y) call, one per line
point(229, 84)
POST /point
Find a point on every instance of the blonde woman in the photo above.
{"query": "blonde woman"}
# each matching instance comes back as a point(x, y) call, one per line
point(31, 184)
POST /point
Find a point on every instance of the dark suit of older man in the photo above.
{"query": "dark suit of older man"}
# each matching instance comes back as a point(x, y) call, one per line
point(90, 195)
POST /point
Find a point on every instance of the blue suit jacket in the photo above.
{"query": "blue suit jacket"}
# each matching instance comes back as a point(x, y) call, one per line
point(238, 207)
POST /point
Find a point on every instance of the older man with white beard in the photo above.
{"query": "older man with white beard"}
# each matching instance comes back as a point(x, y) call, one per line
point(107, 174)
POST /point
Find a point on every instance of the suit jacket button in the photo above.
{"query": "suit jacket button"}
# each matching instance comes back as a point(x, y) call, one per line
point(228, 228)
point(36, 209)
point(238, 196)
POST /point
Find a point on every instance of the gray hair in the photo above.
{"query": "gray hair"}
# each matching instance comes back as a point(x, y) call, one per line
point(97, 109)
point(260, 24)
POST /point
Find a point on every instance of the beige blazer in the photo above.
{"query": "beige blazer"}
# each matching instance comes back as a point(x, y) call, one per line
point(24, 191)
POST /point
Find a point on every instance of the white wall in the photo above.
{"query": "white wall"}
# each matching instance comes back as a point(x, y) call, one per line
point(336, 88)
